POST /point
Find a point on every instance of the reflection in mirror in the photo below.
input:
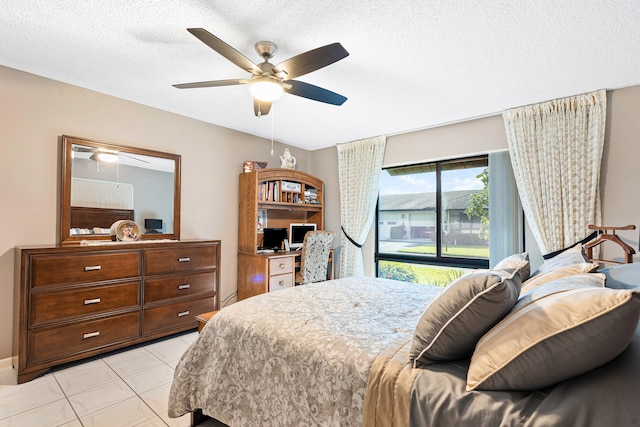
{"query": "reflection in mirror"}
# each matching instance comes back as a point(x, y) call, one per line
point(103, 183)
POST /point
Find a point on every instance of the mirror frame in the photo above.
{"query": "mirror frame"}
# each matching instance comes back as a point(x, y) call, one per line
point(65, 236)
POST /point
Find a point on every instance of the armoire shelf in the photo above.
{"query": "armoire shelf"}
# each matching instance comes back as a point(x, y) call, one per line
point(280, 213)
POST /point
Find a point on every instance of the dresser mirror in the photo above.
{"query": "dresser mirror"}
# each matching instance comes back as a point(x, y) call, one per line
point(103, 182)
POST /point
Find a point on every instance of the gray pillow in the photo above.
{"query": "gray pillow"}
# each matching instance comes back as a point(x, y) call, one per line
point(552, 336)
point(454, 322)
point(625, 276)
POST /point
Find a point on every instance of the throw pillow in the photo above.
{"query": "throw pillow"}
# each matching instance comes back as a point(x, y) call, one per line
point(454, 322)
point(519, 262)
point(558, 273)
point(553, 337)
point(560, 285)
point(573, 255)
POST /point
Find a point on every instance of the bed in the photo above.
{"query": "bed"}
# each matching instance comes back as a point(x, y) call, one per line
point(358, 351)
point(86, 220)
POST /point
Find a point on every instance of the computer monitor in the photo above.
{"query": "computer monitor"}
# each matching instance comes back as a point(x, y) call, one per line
point(297, 232)
point(272, 238)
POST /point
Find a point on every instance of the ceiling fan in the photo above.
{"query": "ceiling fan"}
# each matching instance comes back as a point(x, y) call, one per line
point(269, 81)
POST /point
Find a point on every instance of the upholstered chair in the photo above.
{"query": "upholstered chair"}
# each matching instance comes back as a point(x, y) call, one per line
point(314, 257)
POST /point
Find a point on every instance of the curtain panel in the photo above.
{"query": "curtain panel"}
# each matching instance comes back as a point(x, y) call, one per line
point(359, 167)
point(556, 151)
point(506, 223)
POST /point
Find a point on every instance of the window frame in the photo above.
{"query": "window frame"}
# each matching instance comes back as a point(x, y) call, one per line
point(438, 259)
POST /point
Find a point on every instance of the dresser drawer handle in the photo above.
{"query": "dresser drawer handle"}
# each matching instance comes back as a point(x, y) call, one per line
point(281, 283)
point(91, 301)
point(183, 287)
point(93, 268)
point(281, 265)
point(187, 259)
point(91, 334)
point(183, 313)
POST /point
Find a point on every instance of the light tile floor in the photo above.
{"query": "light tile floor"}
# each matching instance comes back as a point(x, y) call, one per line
point(125, 388)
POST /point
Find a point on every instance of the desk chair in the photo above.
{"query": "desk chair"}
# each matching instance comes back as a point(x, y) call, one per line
point(314, 257)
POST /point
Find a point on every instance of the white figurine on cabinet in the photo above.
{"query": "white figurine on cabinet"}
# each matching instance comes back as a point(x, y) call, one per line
point(287, 160)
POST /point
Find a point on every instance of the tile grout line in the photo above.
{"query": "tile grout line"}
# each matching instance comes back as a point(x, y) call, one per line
point(67, 399)
point(136, 393)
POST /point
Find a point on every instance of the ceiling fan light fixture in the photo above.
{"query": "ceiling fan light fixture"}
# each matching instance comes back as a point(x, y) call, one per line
point(105, 156)
point(266, 89)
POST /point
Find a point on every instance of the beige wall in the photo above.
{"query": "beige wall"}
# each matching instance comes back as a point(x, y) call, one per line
point(36, 111)
point(620, 166)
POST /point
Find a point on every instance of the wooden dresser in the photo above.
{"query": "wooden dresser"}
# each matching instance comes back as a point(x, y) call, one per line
point(72, 302)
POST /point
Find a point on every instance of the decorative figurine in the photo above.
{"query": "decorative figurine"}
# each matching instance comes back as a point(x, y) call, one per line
point(287, 160)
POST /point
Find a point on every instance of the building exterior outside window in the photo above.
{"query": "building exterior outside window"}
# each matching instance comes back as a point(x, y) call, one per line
point(432, 223)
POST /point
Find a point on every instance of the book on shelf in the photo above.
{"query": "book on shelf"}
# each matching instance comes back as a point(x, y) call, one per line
point(311, 196)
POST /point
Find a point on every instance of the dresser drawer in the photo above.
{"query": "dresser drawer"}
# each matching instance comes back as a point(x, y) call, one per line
point(181, 315)
point(281, 281)
point(185, 285)
point(280, 265)
point(48, 307)
point(49, 270)
point(160, 261)
point(57, 342)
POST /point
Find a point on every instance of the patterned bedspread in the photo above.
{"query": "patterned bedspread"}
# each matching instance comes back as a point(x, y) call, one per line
point(296, 357)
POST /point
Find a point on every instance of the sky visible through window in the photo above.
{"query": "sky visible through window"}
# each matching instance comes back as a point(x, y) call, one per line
point(462, 179)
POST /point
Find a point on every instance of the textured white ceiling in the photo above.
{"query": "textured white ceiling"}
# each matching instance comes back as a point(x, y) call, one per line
point(412, 64)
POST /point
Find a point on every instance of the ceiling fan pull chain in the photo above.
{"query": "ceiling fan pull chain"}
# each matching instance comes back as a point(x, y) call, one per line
point(273, 113)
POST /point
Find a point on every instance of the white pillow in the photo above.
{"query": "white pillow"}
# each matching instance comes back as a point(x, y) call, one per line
point(558, 273)
point(574, 255)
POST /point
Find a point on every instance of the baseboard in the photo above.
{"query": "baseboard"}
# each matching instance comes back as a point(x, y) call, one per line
point(7, 373)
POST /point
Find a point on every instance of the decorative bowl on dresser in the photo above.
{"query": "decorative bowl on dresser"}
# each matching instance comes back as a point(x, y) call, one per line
point(72, 302)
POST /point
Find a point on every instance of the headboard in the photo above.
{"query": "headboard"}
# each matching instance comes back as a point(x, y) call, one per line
point(82, 217)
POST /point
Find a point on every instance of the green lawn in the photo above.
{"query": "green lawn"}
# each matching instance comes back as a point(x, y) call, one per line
point(436, 276)
point(451, 250)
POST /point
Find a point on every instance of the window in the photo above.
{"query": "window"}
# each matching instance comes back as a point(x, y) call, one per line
point(432, 221)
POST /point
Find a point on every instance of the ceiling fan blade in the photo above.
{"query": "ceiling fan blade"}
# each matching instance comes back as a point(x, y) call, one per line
point(134, 158)
point(225, 50)
point(261, 108)
point(310, 61)
point(316, 93)
point(212, 83)
point(81, 149)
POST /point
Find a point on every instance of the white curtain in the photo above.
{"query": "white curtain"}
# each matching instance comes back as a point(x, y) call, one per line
point(359, 166)
point(556, 150)
point(506, 223)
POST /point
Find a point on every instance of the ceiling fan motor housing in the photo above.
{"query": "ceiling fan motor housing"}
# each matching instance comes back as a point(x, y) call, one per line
point(266, 49)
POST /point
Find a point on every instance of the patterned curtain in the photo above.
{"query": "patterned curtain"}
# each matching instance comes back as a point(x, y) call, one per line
point(359, 166)
point(556, 151)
